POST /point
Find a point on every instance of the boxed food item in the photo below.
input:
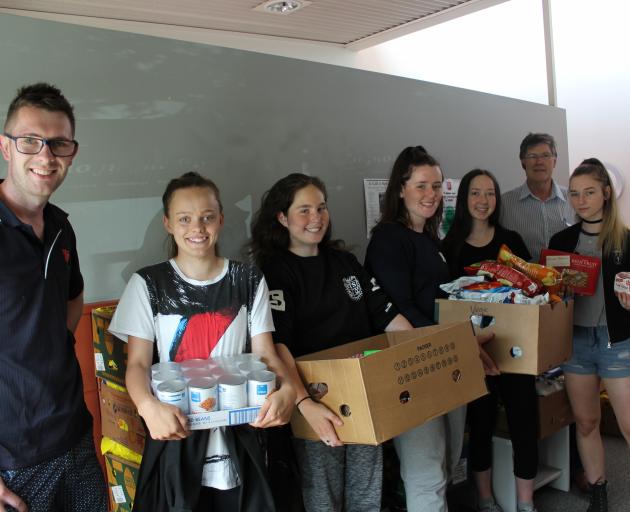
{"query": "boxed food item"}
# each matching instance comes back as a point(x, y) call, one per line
point(413, 377)
point(528, 339)
point(214, 392)
point(622, 282)
point(554, 413)
point(122, 476)
point(110, 353)
point(120, 420)
point(579, 272)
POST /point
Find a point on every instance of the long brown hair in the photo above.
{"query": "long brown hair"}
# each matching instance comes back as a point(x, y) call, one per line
point(269, 237)
point(394, 209)
point(612, 237)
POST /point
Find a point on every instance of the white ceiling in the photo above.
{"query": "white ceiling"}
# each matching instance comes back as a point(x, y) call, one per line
point(354, 24)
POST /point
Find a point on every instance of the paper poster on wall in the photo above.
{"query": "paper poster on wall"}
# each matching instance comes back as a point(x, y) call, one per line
point(450, 186)
point(374, 190)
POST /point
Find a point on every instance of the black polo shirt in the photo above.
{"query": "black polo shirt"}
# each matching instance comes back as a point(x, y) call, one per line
point(42, 411)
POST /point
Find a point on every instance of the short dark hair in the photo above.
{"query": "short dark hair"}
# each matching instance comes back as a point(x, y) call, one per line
point(269, 237)
point(186, 180)
point(44, 96)
point(533, 139)
point(394, 209)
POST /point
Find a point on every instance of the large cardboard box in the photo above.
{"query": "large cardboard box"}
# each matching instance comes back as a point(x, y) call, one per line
point(417, 375)
point(554, 413)
point(120, 420)
point(528, 339)
point(110, 353)
point(122, 476)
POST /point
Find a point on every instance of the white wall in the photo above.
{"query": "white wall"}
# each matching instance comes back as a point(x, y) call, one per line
point(501, 50)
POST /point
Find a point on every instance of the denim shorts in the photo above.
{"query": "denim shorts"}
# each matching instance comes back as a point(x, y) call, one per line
point(592, 356)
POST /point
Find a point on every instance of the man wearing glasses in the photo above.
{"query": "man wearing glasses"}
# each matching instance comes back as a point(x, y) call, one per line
point(539, 208)
point(47, 458)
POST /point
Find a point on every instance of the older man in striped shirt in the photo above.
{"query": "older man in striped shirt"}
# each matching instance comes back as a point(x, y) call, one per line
point(539, 207)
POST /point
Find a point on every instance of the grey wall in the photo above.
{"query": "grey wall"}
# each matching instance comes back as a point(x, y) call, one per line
point(149, 109)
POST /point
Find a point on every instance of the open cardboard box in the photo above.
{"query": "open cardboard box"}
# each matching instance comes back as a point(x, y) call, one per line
point(417, 375)
point(529, 339)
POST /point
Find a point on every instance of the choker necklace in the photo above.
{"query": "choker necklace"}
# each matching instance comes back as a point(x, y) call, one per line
point(592, 221)
point(587, 233)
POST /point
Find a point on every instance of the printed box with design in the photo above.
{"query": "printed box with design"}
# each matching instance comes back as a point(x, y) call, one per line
point(122, 476)
point(529, 339)
point(586, 269)
point(110, 353)
point(120, 420)
point(417, 375)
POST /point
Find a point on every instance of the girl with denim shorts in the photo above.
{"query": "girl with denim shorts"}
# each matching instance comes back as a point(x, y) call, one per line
point(601, 335)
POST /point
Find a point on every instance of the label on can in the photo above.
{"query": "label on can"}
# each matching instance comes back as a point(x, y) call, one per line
point(174, 392)
point(260, 384)
point(202, 395)
point(232, 392)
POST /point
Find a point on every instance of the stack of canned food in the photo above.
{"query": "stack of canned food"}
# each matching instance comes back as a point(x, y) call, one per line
point(214, 384)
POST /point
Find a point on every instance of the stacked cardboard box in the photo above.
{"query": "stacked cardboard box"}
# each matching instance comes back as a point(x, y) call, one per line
point(119, 417)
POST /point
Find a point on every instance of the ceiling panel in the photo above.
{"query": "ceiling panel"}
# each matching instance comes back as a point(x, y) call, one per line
point(350, 23)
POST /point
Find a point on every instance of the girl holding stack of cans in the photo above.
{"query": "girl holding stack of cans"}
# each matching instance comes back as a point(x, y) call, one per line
point(191, 307)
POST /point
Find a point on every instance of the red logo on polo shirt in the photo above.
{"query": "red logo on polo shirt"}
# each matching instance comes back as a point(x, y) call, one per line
point(66, 255)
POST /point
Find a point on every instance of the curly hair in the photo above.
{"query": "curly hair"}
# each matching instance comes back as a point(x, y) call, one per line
point(269, 237)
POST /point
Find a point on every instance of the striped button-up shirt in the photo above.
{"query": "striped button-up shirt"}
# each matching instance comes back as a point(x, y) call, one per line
point(535, 220)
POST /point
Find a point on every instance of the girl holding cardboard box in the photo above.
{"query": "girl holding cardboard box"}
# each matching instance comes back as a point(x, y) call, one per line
point(601, 335)
point(195, 305)
point(405, 258)
point(321, 297)
point(476, 235)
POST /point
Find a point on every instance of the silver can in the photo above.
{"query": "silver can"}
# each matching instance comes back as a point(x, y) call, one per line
point(194, 363)
point(196, 373)
point(248, 367)
point(202, 395)
point(165, 366)
point(174, 392)
point(260, 385)
point(232, 392)
point(164, 376)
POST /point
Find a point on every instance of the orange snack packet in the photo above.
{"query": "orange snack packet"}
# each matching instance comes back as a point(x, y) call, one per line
point(548, 276)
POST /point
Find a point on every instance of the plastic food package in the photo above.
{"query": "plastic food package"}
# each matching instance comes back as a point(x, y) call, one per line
point(506, 275)
point(548, 276)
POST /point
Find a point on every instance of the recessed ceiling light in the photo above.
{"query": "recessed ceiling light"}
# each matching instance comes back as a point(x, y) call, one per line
point(282, 6)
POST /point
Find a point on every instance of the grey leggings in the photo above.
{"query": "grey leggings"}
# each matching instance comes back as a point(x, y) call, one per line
point(346, 478)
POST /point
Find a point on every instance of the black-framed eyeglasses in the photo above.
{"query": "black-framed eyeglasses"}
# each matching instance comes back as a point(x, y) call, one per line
point(31, 145)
